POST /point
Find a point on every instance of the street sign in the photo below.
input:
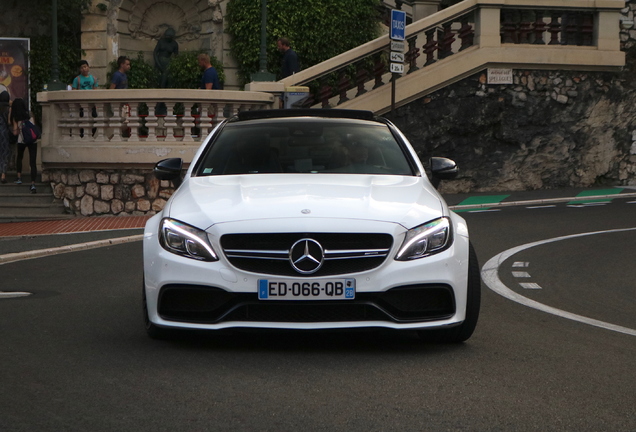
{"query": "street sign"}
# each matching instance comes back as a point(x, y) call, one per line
point(397, 57)
point(398, 24)
point(397, 46)
point(397, 68)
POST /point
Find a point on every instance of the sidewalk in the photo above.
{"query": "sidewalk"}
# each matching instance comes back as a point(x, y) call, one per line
point(77, 225)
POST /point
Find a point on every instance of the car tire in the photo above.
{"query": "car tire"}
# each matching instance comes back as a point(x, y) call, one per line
point(464, 331)
point(154, 331)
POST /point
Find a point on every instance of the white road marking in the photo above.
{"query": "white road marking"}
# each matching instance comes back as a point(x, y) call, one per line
point(490, 276)
point(484, 211)
point(541, 207)
point(518, 264)
point(530, 285)
point(592, 204)
point(14, 294)
point(521, 274)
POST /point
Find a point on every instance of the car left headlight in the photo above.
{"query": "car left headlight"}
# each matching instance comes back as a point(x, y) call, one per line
point(427, 239)
point(185, 240)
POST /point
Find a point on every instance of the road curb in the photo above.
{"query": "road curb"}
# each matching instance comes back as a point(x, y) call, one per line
point(541, 201)
point(19, 256)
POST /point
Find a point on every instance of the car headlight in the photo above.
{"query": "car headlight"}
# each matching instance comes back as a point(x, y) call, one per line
point(425, 240)
point(185, 240)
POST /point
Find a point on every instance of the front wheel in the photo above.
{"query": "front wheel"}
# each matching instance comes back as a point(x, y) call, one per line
point(465, 330)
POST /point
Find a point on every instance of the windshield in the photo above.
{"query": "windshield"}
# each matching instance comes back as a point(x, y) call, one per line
point(304, 145)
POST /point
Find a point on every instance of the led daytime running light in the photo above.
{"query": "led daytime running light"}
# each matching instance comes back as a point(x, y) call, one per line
point(191, 240)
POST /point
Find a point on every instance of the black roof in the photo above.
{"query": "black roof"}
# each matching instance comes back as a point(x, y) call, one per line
point(330, 113)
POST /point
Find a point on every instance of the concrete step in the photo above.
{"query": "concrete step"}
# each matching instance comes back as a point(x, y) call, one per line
point(24, 188)
point(31, 209)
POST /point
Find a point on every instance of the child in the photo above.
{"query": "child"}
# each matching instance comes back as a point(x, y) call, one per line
point(84, 81)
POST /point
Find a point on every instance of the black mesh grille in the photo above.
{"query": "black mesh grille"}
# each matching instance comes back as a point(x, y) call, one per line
point(213, 305)
point(284, 241)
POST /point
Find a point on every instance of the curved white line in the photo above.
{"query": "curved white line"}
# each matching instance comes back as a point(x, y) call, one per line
point(490, 276)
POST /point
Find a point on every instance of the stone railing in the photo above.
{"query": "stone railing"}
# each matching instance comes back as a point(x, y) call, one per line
point(134, 128)
point(542, 34)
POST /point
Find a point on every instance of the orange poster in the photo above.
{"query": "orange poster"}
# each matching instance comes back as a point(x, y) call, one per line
point(14, 67)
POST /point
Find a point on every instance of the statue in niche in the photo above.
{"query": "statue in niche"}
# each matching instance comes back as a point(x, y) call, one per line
point(166, 47)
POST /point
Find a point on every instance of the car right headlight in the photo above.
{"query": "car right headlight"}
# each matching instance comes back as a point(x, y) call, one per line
point(185, 240)
point(427, 239)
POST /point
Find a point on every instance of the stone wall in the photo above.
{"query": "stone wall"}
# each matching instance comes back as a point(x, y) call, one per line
point(94, 192)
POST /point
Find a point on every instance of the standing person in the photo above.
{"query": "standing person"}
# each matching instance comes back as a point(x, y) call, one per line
point(120, 79)
point(84, 81)
point(210, 79)
point(4, 134)
point(289, 62)
point(19, 114)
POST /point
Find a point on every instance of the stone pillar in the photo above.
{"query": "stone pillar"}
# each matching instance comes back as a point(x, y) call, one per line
point(424, 8)
point(487, 25)
point(95, 41)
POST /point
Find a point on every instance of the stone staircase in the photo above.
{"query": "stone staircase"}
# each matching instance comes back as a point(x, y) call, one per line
point(18, 204)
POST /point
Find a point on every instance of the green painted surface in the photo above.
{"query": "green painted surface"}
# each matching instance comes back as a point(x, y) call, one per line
point(598, 192)
point(479, 200)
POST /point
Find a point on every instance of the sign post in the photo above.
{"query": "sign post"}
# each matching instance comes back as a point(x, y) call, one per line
point(397, 36)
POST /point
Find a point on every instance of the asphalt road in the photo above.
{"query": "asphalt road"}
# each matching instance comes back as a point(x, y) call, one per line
point(74, 355)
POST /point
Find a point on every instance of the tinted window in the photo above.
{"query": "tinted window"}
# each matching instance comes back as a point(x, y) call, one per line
point(304, 145)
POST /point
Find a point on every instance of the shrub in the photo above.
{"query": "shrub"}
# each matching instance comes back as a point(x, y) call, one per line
point(185, 72)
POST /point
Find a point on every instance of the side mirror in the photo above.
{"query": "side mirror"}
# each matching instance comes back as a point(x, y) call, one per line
point(169, 169)
point(443, 169)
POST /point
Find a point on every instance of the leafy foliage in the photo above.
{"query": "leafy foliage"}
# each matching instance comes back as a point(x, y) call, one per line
point(185, 72)
point(318, 31)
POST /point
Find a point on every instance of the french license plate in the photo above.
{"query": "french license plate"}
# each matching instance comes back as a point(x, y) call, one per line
point(330, 289)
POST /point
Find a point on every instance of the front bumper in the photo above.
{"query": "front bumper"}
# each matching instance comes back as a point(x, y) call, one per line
point(424, 293)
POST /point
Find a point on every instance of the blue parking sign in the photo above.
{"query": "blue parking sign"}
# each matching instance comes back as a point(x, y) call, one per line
point(398, 24)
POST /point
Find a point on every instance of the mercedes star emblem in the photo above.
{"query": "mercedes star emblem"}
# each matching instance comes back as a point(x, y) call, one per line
point(306, 256)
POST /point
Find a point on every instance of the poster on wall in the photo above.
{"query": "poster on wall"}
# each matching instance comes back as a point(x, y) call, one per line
point(14, 66)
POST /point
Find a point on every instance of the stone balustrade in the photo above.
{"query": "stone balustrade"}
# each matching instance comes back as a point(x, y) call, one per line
point(134, 128)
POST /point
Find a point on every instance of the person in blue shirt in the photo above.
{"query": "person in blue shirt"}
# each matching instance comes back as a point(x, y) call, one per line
point(210, 79)
point(84, 81)
point(289, 62)
point(119, 79)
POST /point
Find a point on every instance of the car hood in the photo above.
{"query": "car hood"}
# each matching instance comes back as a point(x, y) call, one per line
point(205, 201)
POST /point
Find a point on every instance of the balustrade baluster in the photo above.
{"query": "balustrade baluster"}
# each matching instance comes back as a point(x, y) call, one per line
point(134, 122)
point(555, 28)
point(325, 93)
point(447, 39)
point(170, 121)
point(412, 54)
point(508, 27)
point(571, 29)
point(379, 69)
point(430, 47)
point(466, 33)
point(116, 122)
point(152, 121)
point(362, 76)
point(188, 122)
point(525, 27)
point(84, 122)
point(99, 121)
point(539, 27)
point(587, 29)
point(344, 84)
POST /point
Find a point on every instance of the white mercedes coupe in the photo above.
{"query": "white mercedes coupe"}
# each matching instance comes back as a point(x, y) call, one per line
point(309, 219)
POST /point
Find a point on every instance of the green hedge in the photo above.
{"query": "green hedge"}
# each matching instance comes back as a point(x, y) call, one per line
point(318, 31)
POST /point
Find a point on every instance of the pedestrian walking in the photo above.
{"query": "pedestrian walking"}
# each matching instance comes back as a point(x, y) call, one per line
point(5, 150)
point(210, 78)
point(289, 63)
point(20, 114)
point(119, 79)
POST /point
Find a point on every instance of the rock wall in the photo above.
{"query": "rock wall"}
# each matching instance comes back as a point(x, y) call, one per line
point(91, 192)
point(550, 129)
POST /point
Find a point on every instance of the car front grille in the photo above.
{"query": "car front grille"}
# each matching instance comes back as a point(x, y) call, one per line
point(210, 305)
point(344, 253)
